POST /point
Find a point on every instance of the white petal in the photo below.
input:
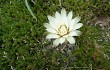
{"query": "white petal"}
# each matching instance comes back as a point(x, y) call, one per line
point(70, 27)
point(61, 40)
point(51, 19)
point(75, 20)
point(77, 26)
point(53, 25)
point(69, 16)
point(52, 22)
point(63, 15)
point(65, 36)
point(56, 42)
point(49, 36)
point(57, 15)
point(63, 12)
point(57, 19)
point(47, 25)
point(75, 33)
point(51, 30)
point(71, 40)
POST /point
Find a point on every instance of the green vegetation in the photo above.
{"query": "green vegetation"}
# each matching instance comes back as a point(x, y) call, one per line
point(22, 39)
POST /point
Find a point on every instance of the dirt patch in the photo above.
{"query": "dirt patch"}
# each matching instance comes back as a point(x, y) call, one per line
point(103, 22)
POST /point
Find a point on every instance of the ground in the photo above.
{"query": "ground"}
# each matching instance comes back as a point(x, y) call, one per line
point(23, 45)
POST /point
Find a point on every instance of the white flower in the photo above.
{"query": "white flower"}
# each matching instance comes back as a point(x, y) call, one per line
point(62, 27)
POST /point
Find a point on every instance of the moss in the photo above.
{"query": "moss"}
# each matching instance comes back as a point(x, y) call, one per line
point(22, 40)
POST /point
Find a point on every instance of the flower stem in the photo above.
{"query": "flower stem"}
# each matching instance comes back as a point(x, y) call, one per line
point(29, 9)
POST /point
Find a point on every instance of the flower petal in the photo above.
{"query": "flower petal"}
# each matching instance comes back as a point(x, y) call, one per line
point(51, 19)
point(57, 16)
point(56, 42)
point(57, 19)
point(77, 26)
point(49, 36)
point(69, 16)
point(63, 12)
point(71, 40)
point(65, 36)
point(47, 25)
point(61, 40)
point(53, 25)
point(75, 33)
point(63, 20)
point(70, 27)
point(75, 20)
point(51, 30)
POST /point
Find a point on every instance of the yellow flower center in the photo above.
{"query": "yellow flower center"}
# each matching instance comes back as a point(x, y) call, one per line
point(62, 30)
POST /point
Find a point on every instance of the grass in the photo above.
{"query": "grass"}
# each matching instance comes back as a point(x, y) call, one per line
point(22, 39)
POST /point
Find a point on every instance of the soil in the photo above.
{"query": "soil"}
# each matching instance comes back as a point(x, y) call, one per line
point(103, 22)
